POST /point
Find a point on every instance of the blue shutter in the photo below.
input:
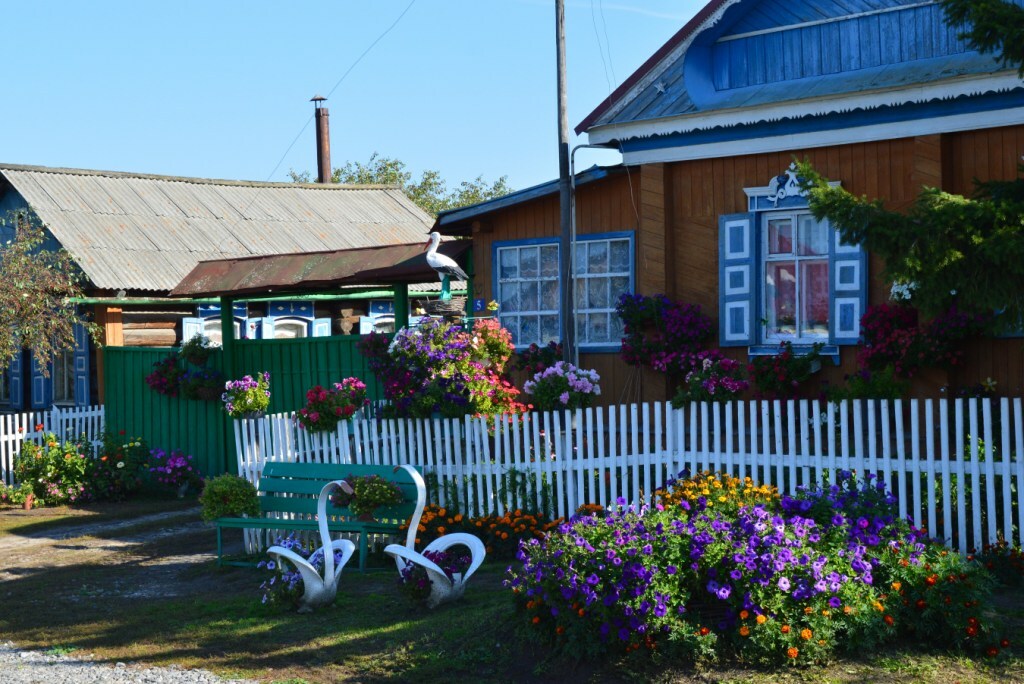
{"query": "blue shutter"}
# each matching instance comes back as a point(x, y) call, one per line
point(81, 361)
point(737, 280)
point(15, 380)
point(320, 327)
point(266, 328)
point(42, 387)
point(190, 327)
point(848, 296)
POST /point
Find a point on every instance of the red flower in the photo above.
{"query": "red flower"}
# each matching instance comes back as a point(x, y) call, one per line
point(39, 427)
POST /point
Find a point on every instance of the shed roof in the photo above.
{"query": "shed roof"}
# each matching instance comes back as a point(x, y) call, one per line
point(293, 273)
point(145, 232)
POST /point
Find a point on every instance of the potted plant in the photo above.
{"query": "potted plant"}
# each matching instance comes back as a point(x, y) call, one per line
point(229, 496)
point(563, 386)
point(248, 397)
point(196, 350)
point(173, 469)
point(204, 384)
point(421, 588)
point(166, 376)
point(325, 408)
point(362, 495)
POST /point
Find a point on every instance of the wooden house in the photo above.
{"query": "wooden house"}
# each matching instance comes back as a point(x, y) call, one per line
point(135, 236)
point(880, 95)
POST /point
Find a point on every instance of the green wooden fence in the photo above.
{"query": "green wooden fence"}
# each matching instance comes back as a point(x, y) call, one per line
point(201, 428)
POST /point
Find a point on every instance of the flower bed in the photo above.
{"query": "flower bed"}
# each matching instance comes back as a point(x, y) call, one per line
point(791, 579)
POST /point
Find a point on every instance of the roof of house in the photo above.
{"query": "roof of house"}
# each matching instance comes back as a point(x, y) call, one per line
point(750, 61)
point(144, 232)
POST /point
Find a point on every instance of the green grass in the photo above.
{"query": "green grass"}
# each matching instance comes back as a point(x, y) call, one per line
point(207, 617)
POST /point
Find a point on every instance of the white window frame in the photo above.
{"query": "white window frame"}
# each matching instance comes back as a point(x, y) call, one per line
point(212, 330)
point(292, 323)
point(766, 259)
point(499, 282)
point(582, 278)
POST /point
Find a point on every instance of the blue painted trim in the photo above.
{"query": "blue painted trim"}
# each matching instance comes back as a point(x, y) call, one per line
point(855, 119)
point(529, 242)
point(745, 261)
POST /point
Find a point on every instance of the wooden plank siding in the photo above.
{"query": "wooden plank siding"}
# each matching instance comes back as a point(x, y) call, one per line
point(685, 199)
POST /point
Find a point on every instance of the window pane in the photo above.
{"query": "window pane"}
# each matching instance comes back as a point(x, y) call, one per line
point(529, 330)
point(529, 262)
point(616, 331)
point(597, 293)
point(597, 257)
point(597, 328)
point(813, 237)
point(620, 256)
point(549, 295)
point(549, 261)
point(581, 329)
point(528, 296)
point(780, 297)
point(814, 291)
point(618, 287)
point(508, 263)
point(511, 323)
point(549, 329)
point(780, 236)
point(581, 257)
point(508, 297)
point(581, 293)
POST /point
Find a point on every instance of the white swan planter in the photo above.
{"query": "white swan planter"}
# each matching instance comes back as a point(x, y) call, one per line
point(319, 590)
point(442, 589)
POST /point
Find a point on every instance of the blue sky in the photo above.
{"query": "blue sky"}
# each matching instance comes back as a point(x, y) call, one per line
point(221, 89)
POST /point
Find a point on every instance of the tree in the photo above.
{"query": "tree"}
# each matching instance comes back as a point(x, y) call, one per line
point(38, 287)
point(950, 249)
point(993, 26)
point(430, 193)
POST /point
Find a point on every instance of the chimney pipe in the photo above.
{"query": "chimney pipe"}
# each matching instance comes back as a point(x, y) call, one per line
point(323, 140)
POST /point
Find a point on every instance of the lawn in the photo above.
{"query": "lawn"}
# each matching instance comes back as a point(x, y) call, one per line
point(142, 594)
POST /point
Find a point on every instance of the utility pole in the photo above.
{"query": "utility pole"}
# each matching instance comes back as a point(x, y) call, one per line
point(568, 327)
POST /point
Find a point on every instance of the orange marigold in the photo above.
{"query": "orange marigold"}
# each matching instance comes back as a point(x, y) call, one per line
point(761, 619)
point(744, 631)
point(793, 652)
point(805, 634)
point(785, 629)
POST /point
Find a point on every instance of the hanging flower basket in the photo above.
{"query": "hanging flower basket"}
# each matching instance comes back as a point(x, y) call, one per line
point(456, 306)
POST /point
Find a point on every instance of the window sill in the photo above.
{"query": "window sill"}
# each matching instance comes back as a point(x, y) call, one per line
point(830, 351)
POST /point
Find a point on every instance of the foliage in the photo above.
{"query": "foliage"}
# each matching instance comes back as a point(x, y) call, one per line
point(37, 296)
point(951, 249)
point(893, 338)
point(197, 349)
point(431, 192)
point(790, 580)
point(166, 376)
point(1005, 562)
point(365, 494)
point(15, 494)
point(500, 534)
point(661, 333)
point(172, 469)
point(712, 377)
point(720, 491)
point(415, 582)
point(439, 367)
point(563, 386)
point(284, 587)
point(229, 496)
point(117, 471)
point(536, 359)
point(58, 471)
point(248, 395)
point(780, 376)
point(325, 408)
point(994, 26)
point(205, 384)
point(866, 384)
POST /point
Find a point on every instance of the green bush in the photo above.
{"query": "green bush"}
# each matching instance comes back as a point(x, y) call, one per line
point(228, 496)
point(117, 471)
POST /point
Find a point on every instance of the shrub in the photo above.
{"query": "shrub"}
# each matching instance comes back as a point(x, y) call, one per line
point(563, 386)
point(172, 469)
point(794, 579)
point(247, 396)
point(229, 496)
point(15, 494)
point(116, 472)
point(58, 471)
point(325, 408)
point(865, 384)
point(662, 333)
point(780, 376)
point(712, 377)
point(166, 376)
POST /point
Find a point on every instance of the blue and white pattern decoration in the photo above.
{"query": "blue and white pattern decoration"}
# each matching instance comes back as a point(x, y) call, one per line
point(737, 269)
point(848, 294)
point(81, 365)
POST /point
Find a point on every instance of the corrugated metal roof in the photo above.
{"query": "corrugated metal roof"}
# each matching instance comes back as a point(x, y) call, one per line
point(144, 232)
point(292, 273)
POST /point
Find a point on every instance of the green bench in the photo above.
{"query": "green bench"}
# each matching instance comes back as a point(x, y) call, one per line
point(288, 495)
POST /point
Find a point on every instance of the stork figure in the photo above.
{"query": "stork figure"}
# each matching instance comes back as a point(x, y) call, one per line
point(445, 266)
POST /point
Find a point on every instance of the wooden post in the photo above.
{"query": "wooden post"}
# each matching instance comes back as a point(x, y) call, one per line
point(568, 317)
point(401, 306)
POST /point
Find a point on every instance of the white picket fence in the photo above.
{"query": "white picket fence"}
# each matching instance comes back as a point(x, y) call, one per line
point(65, 423)
point(955, 465)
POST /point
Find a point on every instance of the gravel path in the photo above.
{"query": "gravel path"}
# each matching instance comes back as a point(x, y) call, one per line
point(31, 667)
